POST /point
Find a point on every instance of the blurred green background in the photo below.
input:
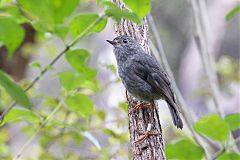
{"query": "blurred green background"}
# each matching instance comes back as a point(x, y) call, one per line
point(79, 110)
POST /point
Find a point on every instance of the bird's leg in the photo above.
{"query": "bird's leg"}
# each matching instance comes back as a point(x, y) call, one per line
point(145, 135)
point(137, 107)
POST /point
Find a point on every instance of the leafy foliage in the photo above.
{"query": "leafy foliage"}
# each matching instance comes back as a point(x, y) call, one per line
point(233, 121)
point(11, 34)
point(140, 7)
point(81, 22)
point(18, 114)
point(14, 91)
point(50, 14)
point(77, 59)
point(233, 12)
point(79, 119)
point(14, 13)
point(118, 14)
point(35, 64)
point(229, 156)
point(213, 127)
point(184, 149)
point(85, 76)
point(80, 104)
point(227, 68)
point(71, 81)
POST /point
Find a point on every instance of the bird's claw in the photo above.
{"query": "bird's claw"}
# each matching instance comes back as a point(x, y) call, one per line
point(135, 108)
point(144, 136)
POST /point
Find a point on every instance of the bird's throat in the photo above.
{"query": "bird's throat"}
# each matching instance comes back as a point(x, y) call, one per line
point(120, 57)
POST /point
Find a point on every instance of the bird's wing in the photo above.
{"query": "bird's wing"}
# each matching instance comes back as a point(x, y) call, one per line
point(148, 69)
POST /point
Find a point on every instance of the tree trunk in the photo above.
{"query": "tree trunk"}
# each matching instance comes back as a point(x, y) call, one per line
point(146, 119)
point(17, 65)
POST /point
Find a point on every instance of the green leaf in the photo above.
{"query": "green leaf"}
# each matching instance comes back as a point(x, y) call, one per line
point(48, 67)
point(80, 104)
point(19, 114)
point(61, 31)
point(81, 22)
point(62, 8)
point(233, 12)
point(184, 149)
point(13, 12)
point(49, 14)
point(213, 127)
point(229, 156)
point(71, 81)
point(117, 14)
point(78, 60)
point(233, 121)
point(76, 136)
point(35, 64)
point(14, 91)
point(140, 7)
point(43, 12)
point(49, 11)
point(227, 67)
point(11, 34)
point(101, 114)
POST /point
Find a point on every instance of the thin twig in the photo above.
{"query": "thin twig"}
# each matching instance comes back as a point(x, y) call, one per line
point(226, 148)
point(60, 134)
point(43, 71)
point(201, 40)
point(29, 141)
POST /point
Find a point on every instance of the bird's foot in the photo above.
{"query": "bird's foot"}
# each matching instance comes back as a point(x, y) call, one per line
point(144, 136)
point(137, 107)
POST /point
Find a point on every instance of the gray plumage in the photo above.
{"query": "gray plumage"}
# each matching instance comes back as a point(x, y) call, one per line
point(142, 75)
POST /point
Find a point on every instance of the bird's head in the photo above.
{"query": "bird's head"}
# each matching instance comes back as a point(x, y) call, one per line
point(124, 43)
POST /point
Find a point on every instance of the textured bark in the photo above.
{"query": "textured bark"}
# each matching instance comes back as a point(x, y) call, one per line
point(152, 147)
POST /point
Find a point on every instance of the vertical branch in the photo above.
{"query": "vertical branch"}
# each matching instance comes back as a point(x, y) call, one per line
point(147, 119)
point(201, 40)
point(186, 115)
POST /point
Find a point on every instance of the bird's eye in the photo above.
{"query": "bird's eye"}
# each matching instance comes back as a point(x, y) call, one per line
point(124, 41)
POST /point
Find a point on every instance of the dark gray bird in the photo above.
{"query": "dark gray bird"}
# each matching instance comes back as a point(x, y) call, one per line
point(142, 75)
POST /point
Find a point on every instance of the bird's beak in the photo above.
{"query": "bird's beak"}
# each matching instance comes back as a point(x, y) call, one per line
point(111, 42)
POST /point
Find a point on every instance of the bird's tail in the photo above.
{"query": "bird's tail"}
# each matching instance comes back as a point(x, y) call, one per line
point(175, 116)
